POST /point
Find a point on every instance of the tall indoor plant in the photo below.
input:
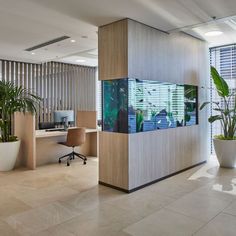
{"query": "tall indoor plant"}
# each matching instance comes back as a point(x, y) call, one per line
point(225, 143)
point(12, 99)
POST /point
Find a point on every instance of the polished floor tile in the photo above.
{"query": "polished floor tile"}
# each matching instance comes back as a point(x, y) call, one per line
point(91, 198)
point(39, 219)
point(201, 207)
point(10, 206)
point(6, 230)
point(165, 223)
point(221, 225)
point(143, 202)
point(102, 220)
point(231, 209)
point(44, 196)
point(57, 200)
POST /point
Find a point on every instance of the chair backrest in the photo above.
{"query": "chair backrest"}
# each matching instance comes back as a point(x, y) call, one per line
point(75, 137)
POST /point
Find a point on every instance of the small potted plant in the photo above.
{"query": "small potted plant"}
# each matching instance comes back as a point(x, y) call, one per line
point(12, 99)
point(224, 144)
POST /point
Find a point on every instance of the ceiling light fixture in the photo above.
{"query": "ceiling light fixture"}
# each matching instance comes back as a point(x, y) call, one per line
point(72, 41)
point(80, 60)
point(32, 53)
point(213, 33)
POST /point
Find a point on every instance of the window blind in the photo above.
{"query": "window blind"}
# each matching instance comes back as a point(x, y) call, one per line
point(223, 58)
point(99, 97)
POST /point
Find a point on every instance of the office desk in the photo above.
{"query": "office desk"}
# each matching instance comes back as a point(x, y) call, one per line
point(48, 150)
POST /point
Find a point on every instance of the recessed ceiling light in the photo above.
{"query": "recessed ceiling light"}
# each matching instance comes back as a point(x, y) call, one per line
point(32, 53)
point(80, 60)
point(213, 33)
point(72, 41)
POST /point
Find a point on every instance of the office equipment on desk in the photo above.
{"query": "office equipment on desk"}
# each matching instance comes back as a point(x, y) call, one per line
point(55, 129)
point(64, 117)
point(46, 125)
point(75, 137)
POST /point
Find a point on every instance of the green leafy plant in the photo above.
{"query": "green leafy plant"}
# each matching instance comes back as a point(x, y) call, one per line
point(139, 120)
point(227, 115)
point(14, 99)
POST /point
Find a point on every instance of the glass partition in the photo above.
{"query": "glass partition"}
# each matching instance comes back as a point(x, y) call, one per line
point(133, 105)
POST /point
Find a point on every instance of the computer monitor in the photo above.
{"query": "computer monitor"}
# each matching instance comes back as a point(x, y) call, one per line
point(63, 117)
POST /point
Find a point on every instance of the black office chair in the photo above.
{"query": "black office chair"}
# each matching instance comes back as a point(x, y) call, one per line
point(46, 125)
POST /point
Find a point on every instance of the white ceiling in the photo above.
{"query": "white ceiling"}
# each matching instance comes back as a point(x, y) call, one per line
point(26, 23)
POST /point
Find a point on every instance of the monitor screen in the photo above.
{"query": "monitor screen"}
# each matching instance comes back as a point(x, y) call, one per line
point(60, 115)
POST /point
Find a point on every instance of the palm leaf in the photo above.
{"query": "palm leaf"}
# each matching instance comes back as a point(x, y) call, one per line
point(13, 99)
point(212, 119)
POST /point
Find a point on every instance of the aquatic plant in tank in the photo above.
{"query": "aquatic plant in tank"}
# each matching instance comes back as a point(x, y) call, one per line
point(190, 103)
point(115, 105)
point(133, 105)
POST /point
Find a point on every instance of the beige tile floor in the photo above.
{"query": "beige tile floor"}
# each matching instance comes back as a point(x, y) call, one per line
point(57, 200)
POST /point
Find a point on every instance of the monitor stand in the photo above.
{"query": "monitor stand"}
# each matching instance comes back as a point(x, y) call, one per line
point(65, 122)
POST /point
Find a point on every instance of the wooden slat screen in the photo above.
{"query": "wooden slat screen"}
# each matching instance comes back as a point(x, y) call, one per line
point(62, 86)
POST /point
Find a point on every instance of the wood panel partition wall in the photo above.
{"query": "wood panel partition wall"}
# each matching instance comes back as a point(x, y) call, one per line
point(87, 119)
point(129, 49)
point(62, 86)
point(24, 129)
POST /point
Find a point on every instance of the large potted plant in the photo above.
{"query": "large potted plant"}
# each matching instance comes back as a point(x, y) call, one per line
point(225, 143)
point(12, 99)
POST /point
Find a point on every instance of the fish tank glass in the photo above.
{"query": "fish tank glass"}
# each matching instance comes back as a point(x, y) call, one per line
point(115, 105)
point(133, 105)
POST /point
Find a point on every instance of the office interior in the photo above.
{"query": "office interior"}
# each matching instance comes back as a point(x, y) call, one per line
point(118, 144)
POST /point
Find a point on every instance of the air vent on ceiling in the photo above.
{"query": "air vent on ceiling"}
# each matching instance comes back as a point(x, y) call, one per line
point(56, 40)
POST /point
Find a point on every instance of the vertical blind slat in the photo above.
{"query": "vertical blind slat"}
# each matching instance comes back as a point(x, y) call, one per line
point(61, 86)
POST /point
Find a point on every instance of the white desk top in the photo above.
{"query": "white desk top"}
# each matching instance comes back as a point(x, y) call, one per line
point(44, 134)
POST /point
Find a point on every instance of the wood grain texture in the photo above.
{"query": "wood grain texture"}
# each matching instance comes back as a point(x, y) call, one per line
point(113, 159)
point(148, 52)
point(175, 58)
point(87, 119)
point(24, 129)
point(113, 50)
point(89, 148)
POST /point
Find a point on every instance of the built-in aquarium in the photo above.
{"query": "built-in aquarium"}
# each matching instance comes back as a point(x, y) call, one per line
point(115, 105)
point(132, 105)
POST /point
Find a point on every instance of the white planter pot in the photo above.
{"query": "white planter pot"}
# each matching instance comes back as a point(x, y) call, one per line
point(8, 154)
point(225, 152)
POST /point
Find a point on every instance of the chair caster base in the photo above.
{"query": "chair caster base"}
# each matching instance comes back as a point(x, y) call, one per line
point(71, 156)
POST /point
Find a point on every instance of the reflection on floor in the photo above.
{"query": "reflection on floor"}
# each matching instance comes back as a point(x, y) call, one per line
point(65, 201)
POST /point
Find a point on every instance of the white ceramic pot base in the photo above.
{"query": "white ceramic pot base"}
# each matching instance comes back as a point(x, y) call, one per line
point(8, 154)
point(225, 152)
